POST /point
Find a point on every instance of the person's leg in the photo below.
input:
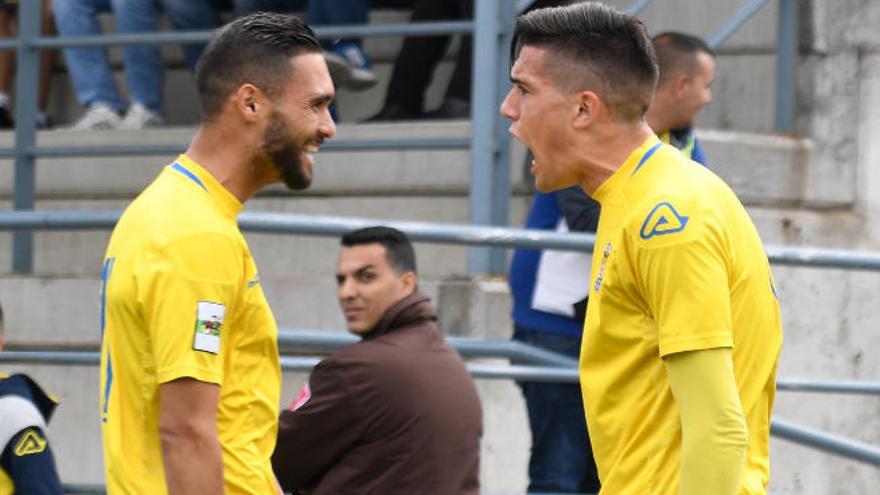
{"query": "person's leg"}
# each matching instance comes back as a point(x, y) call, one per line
point(191, 15)
point(244, 7)
point(561, 456)
point(89, 68)
point(47, 62)
point(7, 65)
point(416, 61)
point(456, 102)
point(142, 64)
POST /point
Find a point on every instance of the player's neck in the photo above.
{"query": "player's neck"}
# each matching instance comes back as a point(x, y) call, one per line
point(228, 159)
point(610, 149)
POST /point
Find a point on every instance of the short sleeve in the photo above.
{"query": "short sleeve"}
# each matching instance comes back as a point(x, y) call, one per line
point(678, 251)
point(188, 293)
point(28, 460)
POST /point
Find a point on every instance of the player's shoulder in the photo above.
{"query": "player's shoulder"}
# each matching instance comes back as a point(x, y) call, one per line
point(677, 206)
point(168, 210)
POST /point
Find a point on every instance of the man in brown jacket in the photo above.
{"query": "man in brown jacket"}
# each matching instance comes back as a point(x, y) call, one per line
point(397, 412)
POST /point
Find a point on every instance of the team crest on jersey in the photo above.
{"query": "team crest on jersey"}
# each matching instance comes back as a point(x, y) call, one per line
point(209, 325)
point(663, 219)
point(30, 443)
point(304, 395)
point(605, 254)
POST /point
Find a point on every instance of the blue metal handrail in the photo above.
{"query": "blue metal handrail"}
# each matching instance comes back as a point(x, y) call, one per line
point(448, 233)
point(834, 444)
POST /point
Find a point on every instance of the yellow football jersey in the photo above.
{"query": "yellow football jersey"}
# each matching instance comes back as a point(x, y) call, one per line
point(678, 266)
point(181, 297)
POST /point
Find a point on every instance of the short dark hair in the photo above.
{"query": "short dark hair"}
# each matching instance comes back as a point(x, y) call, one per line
point(603, 49)
point(254, 49)
point(677, 52)
point(398, 249)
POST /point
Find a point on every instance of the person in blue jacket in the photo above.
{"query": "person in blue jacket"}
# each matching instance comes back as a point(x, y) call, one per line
point(26, 463)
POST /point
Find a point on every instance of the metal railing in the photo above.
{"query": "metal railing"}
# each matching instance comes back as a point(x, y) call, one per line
point(543, 365)
point(489, 145)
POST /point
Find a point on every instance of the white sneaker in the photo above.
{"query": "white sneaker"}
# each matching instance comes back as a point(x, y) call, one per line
point(98, 117)
point(140, 117)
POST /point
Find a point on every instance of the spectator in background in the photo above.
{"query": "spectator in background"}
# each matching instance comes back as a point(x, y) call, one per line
point(349, 67)
point(549, 303)
point(9, 29)
point(90, 69)
point(397, 412)
point(549, 296)
point(27, 465)
point(687, 70)
point(419, 57)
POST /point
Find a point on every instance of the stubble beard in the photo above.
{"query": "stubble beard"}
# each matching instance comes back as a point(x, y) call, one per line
point(285, 155)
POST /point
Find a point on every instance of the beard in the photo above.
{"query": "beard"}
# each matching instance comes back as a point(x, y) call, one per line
point(285, 155)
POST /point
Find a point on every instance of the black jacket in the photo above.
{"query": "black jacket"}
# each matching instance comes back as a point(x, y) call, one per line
point(396, 413)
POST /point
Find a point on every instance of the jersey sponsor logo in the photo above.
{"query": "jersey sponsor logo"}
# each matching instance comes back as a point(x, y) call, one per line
point(209, 325)
point(605, 254)
point(663, 219)
point(304, 395)
point(30, 443)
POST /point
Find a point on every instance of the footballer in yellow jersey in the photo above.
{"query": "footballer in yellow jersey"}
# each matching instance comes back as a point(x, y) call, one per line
point(678, 266)
point(182, 298)
point(190, 372)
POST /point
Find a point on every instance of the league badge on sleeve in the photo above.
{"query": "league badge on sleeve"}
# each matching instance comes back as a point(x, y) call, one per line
point(209, 324)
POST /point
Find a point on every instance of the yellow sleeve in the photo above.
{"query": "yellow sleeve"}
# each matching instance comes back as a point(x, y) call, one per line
point(714, 437)
point(681, 272)
point(188, 292)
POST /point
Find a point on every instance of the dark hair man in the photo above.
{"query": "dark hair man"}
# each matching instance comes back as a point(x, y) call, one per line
point(687, 70)
point(397, 412)
point(26, 463)
point(679, 273)
point(190, 376)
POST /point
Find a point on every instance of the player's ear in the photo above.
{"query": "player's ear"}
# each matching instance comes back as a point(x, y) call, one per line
point(249, 102)
point(588, 106)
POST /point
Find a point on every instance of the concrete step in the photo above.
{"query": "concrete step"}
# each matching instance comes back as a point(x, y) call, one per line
point(762, 169)
point(369, 172)
point(67, 253)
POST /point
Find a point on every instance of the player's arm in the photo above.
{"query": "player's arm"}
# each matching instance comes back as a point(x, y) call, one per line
point(714, 435)
point(191, 449)
point(28, 460)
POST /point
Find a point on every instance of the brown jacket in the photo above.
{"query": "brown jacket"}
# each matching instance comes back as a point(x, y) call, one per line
point(396, 413)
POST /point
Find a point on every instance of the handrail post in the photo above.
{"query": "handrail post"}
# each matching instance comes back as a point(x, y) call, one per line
point(486, 167)
point(501, 167)
point(786, 64)
point(26, 75)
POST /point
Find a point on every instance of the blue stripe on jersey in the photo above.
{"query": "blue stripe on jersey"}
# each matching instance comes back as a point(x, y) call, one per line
point(645, 158)
point(105, 275)
point(183, 171)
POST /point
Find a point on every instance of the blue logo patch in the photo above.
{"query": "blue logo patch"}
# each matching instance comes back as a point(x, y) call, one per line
point(662, 220)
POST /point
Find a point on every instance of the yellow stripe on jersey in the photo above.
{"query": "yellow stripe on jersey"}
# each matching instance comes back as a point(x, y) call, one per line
point(177, 302)
point(678, 266)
